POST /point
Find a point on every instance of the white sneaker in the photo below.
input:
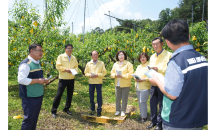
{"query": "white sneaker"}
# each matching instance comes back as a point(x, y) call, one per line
point(117, 113)
point(122, 113)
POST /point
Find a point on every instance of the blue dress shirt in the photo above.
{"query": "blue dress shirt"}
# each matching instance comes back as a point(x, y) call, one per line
point(69, 57)
point(174, 77)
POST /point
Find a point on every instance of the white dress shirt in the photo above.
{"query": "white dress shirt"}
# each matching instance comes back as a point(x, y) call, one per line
point(118, 81)
point(24, 71)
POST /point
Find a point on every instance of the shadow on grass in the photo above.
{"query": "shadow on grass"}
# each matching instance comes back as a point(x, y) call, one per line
point(13, 91)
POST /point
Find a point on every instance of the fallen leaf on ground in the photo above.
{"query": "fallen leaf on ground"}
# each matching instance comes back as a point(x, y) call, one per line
point(18, 117)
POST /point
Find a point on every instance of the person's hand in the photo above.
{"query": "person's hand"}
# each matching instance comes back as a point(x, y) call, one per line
point(93, 76)
point(154, 68)
point(41, 81)
point(138, 80)
point(119, 76)
point(46, 80)
point(67, 70)
point(96, 75)
point(153, 80)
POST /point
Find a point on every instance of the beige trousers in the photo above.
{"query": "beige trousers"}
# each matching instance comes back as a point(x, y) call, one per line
point(121, 93)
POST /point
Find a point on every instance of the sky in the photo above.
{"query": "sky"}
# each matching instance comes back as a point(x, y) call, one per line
point(95, 10)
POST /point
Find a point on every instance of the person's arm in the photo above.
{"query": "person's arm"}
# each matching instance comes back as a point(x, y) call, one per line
point(173, 81)
point(163, 69)
point(86, 71)
point(113, 71)
point(23, 73)
point(39, 81)
point(59, 65)
point(76, 66)
point(154, 68)
point(129, 72)
point(137, 80)
point(156, 82)
point(103, 72)
point(141, 80)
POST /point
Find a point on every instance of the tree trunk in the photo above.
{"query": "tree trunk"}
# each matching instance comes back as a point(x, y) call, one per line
point(82, 69)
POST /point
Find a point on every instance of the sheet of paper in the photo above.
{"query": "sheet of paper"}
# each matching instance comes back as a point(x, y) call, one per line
point(160, 77)
point(151, 72)
point(118, 72)
point(92, 74)
point(73, 71)
point(49, 77)
point(135, 76)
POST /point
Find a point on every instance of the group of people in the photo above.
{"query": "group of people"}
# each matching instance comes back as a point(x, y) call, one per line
point(182, 98)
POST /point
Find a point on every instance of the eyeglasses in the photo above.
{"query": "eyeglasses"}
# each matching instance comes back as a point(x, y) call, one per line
point(143, 57)
point(39, 50)
point(153, 44)
point(69, 48)
point(121, 55)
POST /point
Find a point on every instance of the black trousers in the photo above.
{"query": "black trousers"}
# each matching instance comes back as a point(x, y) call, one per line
point(61, 86)
point(156, 97)
point(99, 96)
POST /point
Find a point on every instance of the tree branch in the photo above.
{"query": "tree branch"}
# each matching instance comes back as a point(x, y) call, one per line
point(112, 58)
point(56, 77)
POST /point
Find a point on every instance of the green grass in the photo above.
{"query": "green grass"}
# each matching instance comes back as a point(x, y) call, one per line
point(80, 103)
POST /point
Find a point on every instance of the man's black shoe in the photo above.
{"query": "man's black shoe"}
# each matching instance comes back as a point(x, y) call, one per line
point(151, 126)
point(92, 113)
point(158, 128)
point(68, 112)
point(98, 114)
point(54, 115)
point(139, 119)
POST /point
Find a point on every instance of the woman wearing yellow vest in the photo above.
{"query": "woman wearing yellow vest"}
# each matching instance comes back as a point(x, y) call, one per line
point(122, 81)
point(142, 86)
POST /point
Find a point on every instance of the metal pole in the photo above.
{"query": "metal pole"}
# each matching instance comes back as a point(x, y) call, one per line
point(72, 27)
point(84, 26)
point(46, 7)
point(84, 21)
point(192, 14)
point(82, 30)
point(207, 24)
point(203, 11)
point(83, 42)
point(110, 20)
point(46, 11)
point(43, 5)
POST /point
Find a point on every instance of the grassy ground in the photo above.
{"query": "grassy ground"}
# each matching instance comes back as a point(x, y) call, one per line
point(80, 103)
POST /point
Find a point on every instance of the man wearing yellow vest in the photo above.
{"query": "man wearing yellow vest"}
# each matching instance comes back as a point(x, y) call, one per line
point(158, 62)
point(95, 71)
